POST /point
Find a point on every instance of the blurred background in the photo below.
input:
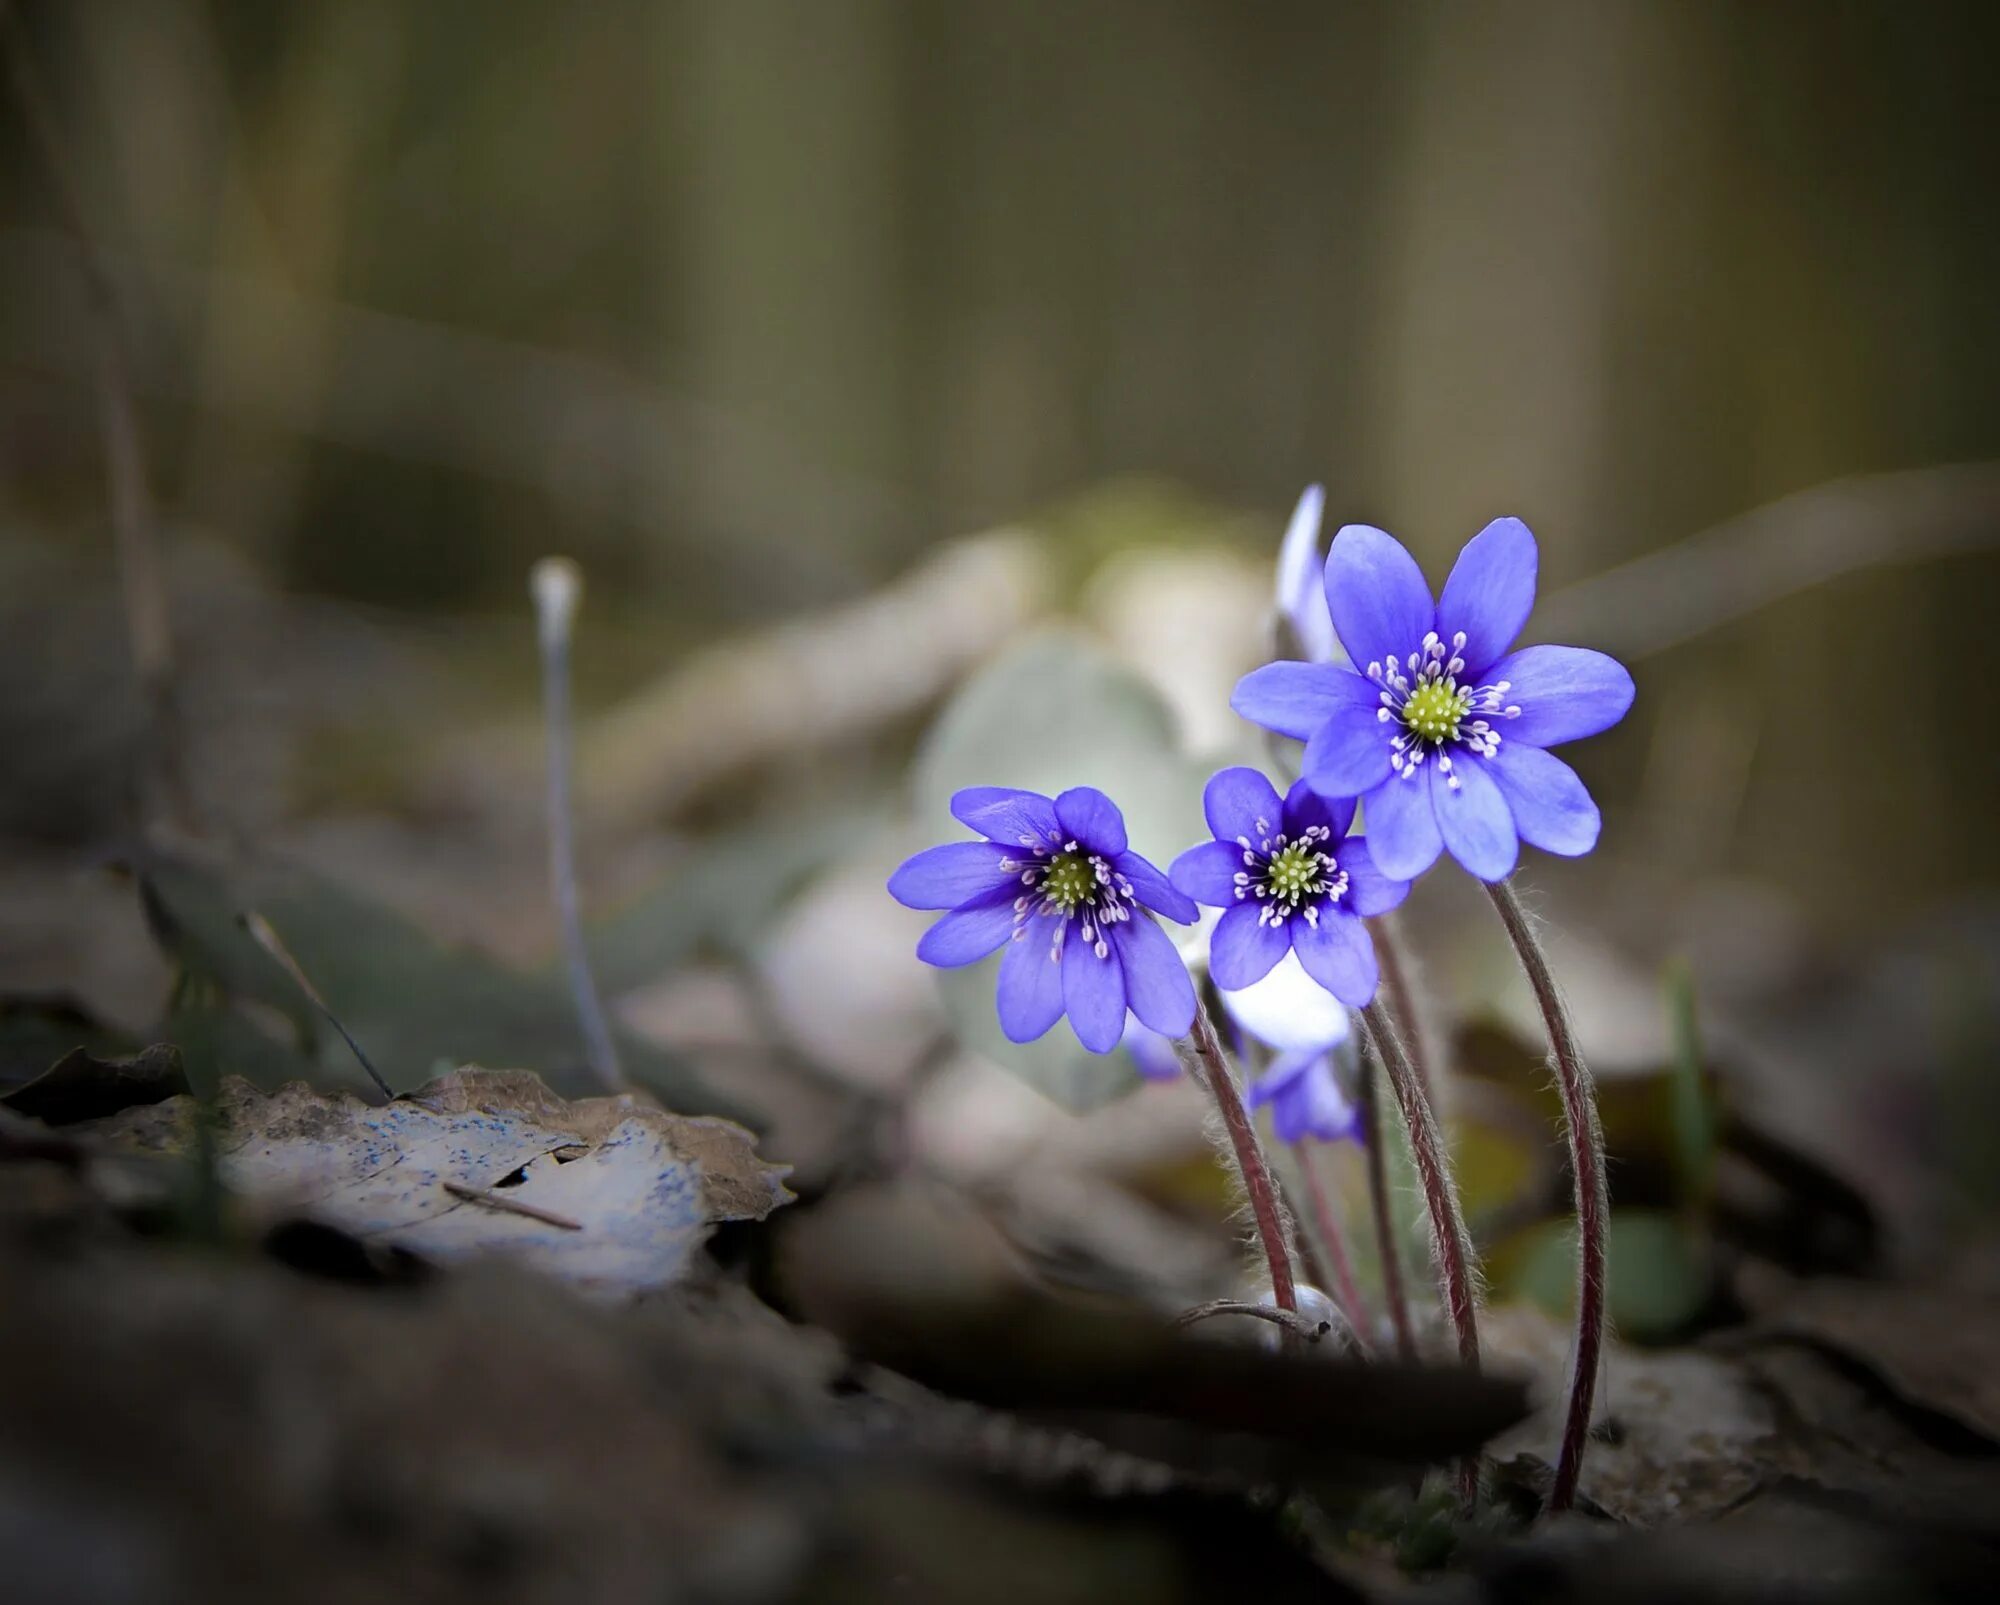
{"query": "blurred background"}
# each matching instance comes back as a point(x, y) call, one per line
point(879, 360)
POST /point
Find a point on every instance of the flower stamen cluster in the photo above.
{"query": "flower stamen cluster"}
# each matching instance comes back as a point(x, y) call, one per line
point(1422, 694)
point(1069, 882)
point(1287, 876)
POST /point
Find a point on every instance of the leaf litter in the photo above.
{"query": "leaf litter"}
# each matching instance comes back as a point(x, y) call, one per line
point(610, 1195)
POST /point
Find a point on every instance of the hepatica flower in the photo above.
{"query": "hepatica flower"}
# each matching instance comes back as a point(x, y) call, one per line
point(1292, 1013)
point(1301, 582)
point(1438, 728)
point(1057, 885)
point(1289, 880)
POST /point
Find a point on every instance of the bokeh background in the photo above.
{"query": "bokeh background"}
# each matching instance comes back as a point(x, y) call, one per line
point(770, 314)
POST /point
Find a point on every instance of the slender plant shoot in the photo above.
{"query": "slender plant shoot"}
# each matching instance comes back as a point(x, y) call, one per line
point(556, 584)
point(268, 939)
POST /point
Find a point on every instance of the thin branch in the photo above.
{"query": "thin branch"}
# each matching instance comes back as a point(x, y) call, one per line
point(511, 1206)
point(1733, 569)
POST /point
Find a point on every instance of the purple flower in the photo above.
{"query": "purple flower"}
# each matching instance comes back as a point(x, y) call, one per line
point(1152, 1054)
point(1301, 591)
point(1290, 880)
point(1305, 1099)
point(1056, 884)
point(1443, 733)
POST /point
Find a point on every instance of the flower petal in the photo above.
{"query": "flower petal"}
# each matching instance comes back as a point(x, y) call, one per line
point(1474, 819)
point(1380, 604)
point(1152, 1055)
point(1348, 754)
point(1289, 1009)
point(1369, 891)
point(966, 935)
point(1208, 873)
point(1564, 693)
point(1030, 993)
point(1284, 1073)
point(1402, 830)
point(1092, 819)
point(1551, 808)
point(1241, 803)
point(1093, 993)
point(1157, 987)
point(1490, 593)
point(1337, 952)
point(1305, 808)
point(1155, 890)
point(1241, 952)
point(1295, 699)
point(1012, 818)
point(1329, 1115)
point(1301, 585)
point(945, 877)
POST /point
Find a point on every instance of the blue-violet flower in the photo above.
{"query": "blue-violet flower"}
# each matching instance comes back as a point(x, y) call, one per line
point(1292, 1013)
point(1440, 731)
point(1289, 879)
point(1056, 883)
point(1302, 583)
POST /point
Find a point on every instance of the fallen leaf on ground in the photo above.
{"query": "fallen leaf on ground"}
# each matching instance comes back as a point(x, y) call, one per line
point(81, 1086)
point(611, 1195)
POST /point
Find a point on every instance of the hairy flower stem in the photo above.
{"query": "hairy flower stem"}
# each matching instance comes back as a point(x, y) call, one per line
point(557, 587)
point(1327, 1222)
point(1397, 982)
point(1586, 1159)
point(1211, 1067)
point(1379, 1206)
point(1450, 1246)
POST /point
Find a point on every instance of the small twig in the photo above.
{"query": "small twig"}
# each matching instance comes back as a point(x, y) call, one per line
point(513, 1206)
point(1327, 1220)
point(1298, 1325)
point(557, 587)
point(135, 528)
point(1379, 1204)
point(266, 938)
point(1593, 1203)
point(1210, 1068)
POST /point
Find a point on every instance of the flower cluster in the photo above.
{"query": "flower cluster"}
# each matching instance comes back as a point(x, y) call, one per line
point(1435, 731)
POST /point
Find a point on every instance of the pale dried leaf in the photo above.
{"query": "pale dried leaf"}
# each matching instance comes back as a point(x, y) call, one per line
point(612, 1195)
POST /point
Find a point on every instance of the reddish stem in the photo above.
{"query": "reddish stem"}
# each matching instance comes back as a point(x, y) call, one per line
point(1385, 1222)
point(1450, 1246)
point(1212, 1067)
point(1586, 1159)
point(1327, 1220)
point(1396, 981)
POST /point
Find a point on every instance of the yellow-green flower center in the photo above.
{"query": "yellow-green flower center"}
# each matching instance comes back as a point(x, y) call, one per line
point(1435, 708)
point(1069, 882)
point(1293, 873)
